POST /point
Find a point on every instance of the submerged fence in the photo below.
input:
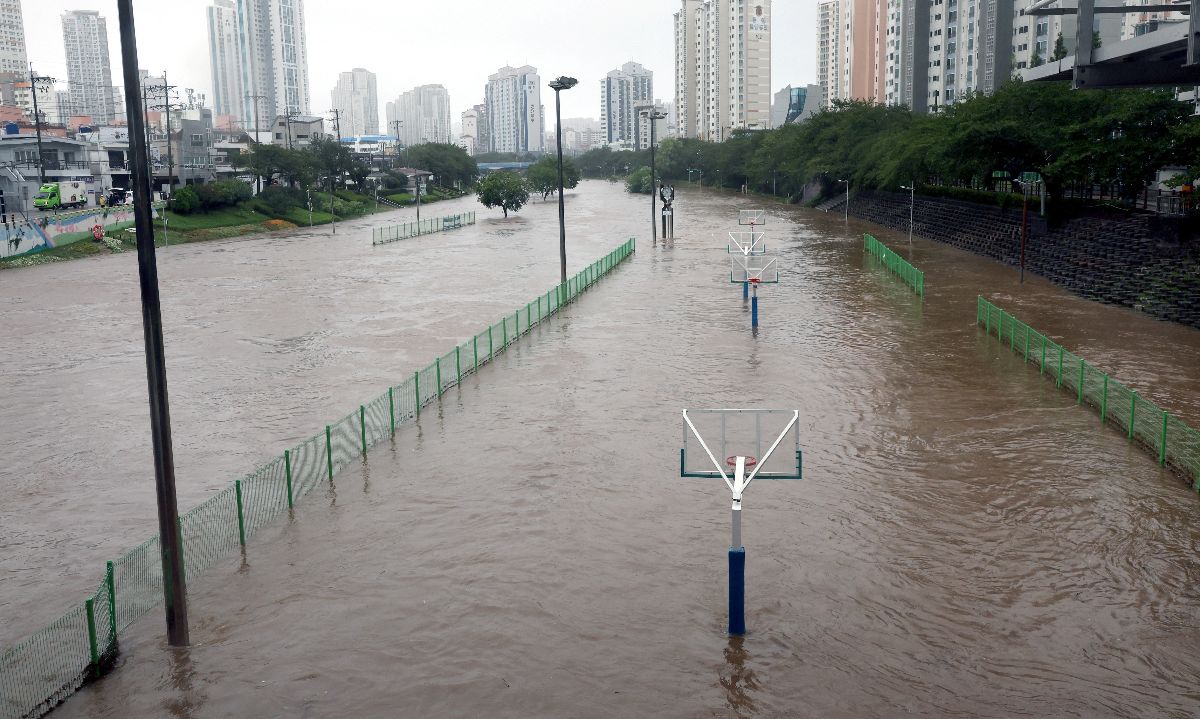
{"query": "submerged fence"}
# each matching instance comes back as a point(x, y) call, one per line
point(384, 235)
point(39, 672)
point(1172, 441)
point(913, 277)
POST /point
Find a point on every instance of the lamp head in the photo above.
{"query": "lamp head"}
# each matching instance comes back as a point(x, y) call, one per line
point(563, 83)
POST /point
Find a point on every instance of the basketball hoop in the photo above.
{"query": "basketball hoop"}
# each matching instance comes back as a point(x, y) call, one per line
point(732, 462)
point(755, 280)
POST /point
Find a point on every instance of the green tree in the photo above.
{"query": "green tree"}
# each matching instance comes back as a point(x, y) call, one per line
point(1035, 60)
point(640, 182)
point(506, 190)
point(542, 176)
point(1060, 49)
point(450, 164)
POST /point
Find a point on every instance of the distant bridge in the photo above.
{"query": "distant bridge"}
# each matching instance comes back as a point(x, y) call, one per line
point(486, 167)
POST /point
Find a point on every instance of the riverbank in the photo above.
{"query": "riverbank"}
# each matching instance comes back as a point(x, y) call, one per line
point(244, 220)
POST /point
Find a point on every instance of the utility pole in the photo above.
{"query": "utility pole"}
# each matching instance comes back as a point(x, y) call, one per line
point(37, 120)
point(257, 129)
point(396, 124)
point(169, 535)
point(337, 123)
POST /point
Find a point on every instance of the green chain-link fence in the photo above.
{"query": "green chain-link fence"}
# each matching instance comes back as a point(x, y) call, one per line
point(1169, 439)
point(39, 672)
point(392, 233)
point(913, 277)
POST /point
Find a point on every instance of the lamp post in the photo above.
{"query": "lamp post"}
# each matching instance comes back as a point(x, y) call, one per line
point(559, 84)
point(1024, 223)
point(912, 189)
point(847, 213)
point(652, 115)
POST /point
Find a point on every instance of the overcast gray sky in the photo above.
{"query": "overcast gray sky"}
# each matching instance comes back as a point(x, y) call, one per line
point(457, 43)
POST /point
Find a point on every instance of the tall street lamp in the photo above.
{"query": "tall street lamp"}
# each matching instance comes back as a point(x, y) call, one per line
point(912, 189)
point(847, 183)
point(1024, 222)
point(559, 84)
point(653, 115)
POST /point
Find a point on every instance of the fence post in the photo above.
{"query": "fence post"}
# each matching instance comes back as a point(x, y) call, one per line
point(458, 363)
point(287, 473)
point(987, 321)
point(391, 412)
point(417, 388)
point(1042, 369)
point(1132, 411)
point(438, 364)
point(475, 350)
point(329, 453)
point(504, 332)
point(490, 353)
point(1104, 401)
point(90, 609)
point(528, 316)
point(539, 309)
point(237, 491)
point(362, 427)
point(112, 604)
point(516, 323)
point(1060, 366)
point(1082, 365)
point(1026, 344)
point(1162, 445)
point(1012, 334)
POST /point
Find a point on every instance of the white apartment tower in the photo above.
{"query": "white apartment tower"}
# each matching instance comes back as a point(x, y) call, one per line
point(357, 103)
point(832, 38)
point(85, 39)
point(515, 117)
point(621, 93)
point(13, 55)
point(223, 58)
point(424, 115)
point(273, 57)
point(722, 67)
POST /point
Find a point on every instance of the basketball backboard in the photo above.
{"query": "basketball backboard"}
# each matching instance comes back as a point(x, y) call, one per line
point(752, 217)
point(759, 269)
point(747, 242)
point(768, 439)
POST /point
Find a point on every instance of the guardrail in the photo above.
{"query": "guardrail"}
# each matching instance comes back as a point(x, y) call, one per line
point(394, 233)
point(899, 266)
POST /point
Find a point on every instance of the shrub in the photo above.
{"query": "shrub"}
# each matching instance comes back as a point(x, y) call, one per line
point(278, 200)
point(185, 201)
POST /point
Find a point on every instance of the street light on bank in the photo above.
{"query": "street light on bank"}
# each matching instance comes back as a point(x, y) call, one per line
point(847, 212)
point(912, 189)
point(559, 84)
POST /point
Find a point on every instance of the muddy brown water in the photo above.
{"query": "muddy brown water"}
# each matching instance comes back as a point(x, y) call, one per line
point(967, 541)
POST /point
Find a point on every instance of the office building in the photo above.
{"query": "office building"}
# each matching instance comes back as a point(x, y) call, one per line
point(515, 116)
point(223, 57)
point(794, 104)
point(357, 103)
point(423, 114)
point(722, 67)
point(85, 39)
point(273, 59)
point(622, 92)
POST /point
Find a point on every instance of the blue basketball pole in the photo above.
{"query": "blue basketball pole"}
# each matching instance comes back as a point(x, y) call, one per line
point(754, 309)
point(737, 590)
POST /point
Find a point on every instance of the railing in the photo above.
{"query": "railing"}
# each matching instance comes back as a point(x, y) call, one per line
point(43, 670)
point(384, 235)
point(1169, 439)
point(896, 264)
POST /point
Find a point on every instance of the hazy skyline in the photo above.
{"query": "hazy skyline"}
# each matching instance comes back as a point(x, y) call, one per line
point(455, 43)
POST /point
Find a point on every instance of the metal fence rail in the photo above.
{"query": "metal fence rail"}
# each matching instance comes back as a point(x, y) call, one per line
point(1169, 439)
point(393, 233)
point(900, 267)
point(40, 672)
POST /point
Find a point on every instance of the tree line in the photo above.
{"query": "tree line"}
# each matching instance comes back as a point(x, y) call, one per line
point(1117, 138)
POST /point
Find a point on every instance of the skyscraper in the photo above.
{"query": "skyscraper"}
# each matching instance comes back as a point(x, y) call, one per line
point(722, 67)
point(516, 119)
point(223, 58)
point(621, 93)
point(424, 115)
point(357, 102)
point(833, 35)
point(273, 58)
point(85, 39)
point(13, 56)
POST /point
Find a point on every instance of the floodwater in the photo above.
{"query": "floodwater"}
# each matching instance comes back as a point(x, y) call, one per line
point(966, 541)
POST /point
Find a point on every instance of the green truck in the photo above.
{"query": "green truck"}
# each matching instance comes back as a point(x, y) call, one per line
point(54, 195)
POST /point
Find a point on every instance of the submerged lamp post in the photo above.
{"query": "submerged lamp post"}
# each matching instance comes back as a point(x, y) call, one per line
point(559, 84)
point(652, 115)
point(912, 189)
point(174, 586)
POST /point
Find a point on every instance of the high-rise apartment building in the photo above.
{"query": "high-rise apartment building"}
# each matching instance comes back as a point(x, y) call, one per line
point(424, 115)
point(722, 67)
point(223, 58)
point(622, 91)
point(833, 35)
point(85, 39)
point(13, 55)
point(273, 58)
point(1139, 23)
point(515, 116)
point(357, 103)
